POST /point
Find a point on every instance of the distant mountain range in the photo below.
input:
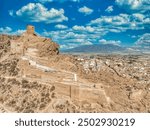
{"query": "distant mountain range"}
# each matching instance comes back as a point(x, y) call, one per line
point(107, 48)
point(101, 48)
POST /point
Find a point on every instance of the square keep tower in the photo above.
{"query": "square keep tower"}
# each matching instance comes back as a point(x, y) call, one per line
point(30, 29)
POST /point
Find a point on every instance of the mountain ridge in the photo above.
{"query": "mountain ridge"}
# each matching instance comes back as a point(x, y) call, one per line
point(101, 48)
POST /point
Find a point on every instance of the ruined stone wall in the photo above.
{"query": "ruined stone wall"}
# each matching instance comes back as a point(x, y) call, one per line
point(80, 94)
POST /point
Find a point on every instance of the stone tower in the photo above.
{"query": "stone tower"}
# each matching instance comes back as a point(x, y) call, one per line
point(30, 29)
point(30, 41)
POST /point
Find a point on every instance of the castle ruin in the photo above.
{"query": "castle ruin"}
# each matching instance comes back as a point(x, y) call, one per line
point(29, 41)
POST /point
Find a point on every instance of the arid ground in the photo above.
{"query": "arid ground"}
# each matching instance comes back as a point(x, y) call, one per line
point(52, 82)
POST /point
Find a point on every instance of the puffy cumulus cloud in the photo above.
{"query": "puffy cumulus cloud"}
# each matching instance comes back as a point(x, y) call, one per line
point(72, 35)
point(36, 12)
point(75, 36)
point(85, 10)
point(142, 5)
point(112, 42)
point(122, 22)
point(10, 31)
point(109, 9)
point(82, 28)
point(5, 30)
point(67, 39)
point(18, 32)
point(60, 26)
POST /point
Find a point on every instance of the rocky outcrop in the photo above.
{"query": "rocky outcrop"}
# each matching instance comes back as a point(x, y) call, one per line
point(48, 48)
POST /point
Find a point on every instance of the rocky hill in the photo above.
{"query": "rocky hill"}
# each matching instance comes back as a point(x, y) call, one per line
point(34, 77)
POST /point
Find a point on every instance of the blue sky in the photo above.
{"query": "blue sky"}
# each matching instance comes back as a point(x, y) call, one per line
point(72, 23)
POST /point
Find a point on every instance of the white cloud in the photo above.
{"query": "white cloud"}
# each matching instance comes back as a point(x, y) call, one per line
point(82, 28)
point(18, 32)
point(138, 16)
point(113, 42)
point(85, 10)
point(72, 35)
point(9, 31)
point(75, 36)
point(142, 5)
point(36, 12)
point(109, 9)
point(116, 20)
point(60, 26)
point(122, 22)
point(5, 30)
